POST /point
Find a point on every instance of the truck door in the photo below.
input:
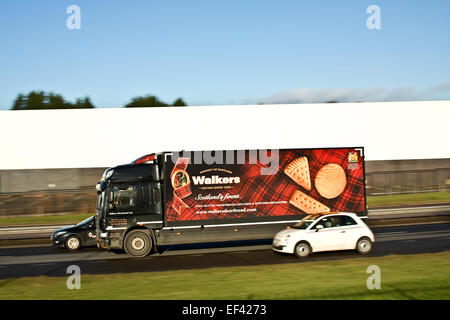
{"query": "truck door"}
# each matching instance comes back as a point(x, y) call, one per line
point(148, 203)
point(132, 203)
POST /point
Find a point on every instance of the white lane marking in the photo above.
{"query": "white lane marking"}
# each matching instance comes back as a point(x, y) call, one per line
point(238, 252)
point(18, 246)
point(410, 224)
point(421, 233)
point(397, 232)
point(411, 236)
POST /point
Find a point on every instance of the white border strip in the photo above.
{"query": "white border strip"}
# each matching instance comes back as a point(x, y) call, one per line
point(231, 224)
point(112, 228)
point(148, 222)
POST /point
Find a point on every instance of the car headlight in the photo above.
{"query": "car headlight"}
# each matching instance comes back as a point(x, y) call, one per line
point(285, 239)
point(59, 233)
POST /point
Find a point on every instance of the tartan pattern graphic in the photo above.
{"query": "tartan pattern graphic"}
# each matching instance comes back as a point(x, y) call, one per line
point(182, 192)
point(268, 195)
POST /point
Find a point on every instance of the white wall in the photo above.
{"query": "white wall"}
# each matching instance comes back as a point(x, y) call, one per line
point(108, 137)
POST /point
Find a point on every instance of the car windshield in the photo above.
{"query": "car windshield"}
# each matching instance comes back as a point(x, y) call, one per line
point(305, 222)
point(85, 222)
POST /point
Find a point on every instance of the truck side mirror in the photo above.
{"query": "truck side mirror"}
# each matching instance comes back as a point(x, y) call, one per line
point(319, 227)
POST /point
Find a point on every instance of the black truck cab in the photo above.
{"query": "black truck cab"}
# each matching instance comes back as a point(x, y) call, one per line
point(129, 199)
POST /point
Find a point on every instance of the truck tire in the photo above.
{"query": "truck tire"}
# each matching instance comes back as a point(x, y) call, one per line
point(302, 249)
point(138, 243)
point(73, 243)
point(364, 245)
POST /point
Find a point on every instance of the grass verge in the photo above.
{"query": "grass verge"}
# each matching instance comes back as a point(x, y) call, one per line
point(421, 276)
point(409, 199)
point(44, 220)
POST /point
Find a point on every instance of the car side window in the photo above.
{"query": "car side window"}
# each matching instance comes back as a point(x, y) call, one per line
point(337, 221)
point(325, 222)
point(331, 222)
point(348, 221)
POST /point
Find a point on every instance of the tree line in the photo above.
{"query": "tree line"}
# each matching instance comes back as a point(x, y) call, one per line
point(38, 100)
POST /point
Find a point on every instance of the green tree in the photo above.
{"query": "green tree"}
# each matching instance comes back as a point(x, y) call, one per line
point(84, 103)
point(37, 100)
point(145, 101)
point(179, 103)
point(152, 101)
point(19, 103)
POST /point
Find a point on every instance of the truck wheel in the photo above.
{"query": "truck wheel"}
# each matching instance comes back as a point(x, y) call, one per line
point(138, 243)
point(73, 243)
point(302, 249)
point(364, 245)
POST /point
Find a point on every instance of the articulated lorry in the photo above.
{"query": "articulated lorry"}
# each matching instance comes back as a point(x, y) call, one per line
point(193, 197)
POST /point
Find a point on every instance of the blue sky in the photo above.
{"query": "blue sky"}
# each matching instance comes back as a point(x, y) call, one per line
point(226, 52)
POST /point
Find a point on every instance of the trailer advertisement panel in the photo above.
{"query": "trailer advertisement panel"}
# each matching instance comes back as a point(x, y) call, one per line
point(253, 184)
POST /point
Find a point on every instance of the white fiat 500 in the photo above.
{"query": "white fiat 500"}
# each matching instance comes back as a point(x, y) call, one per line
point(316, 233)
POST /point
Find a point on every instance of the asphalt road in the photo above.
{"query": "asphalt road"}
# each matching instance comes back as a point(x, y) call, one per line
point(45, 260)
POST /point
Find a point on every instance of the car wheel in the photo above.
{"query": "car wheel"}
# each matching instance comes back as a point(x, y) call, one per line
point(302, 249)
point(364, 245)
point(138, 243)
point(73, 243)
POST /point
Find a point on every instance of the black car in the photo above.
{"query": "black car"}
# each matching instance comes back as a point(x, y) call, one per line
point(77, 236)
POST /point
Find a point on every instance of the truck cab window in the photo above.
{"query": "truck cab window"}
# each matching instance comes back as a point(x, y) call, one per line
point(123, 197)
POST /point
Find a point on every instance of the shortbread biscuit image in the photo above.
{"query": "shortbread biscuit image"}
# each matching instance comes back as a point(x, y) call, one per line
point(307, 204)
point(330, 181)
point(298, 170)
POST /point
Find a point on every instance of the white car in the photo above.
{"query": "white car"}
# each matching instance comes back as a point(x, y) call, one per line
point(316, 233)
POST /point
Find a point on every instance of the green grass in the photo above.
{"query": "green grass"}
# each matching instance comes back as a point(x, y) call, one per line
point(408, 199)
point(421, 276)
point(44, 220)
